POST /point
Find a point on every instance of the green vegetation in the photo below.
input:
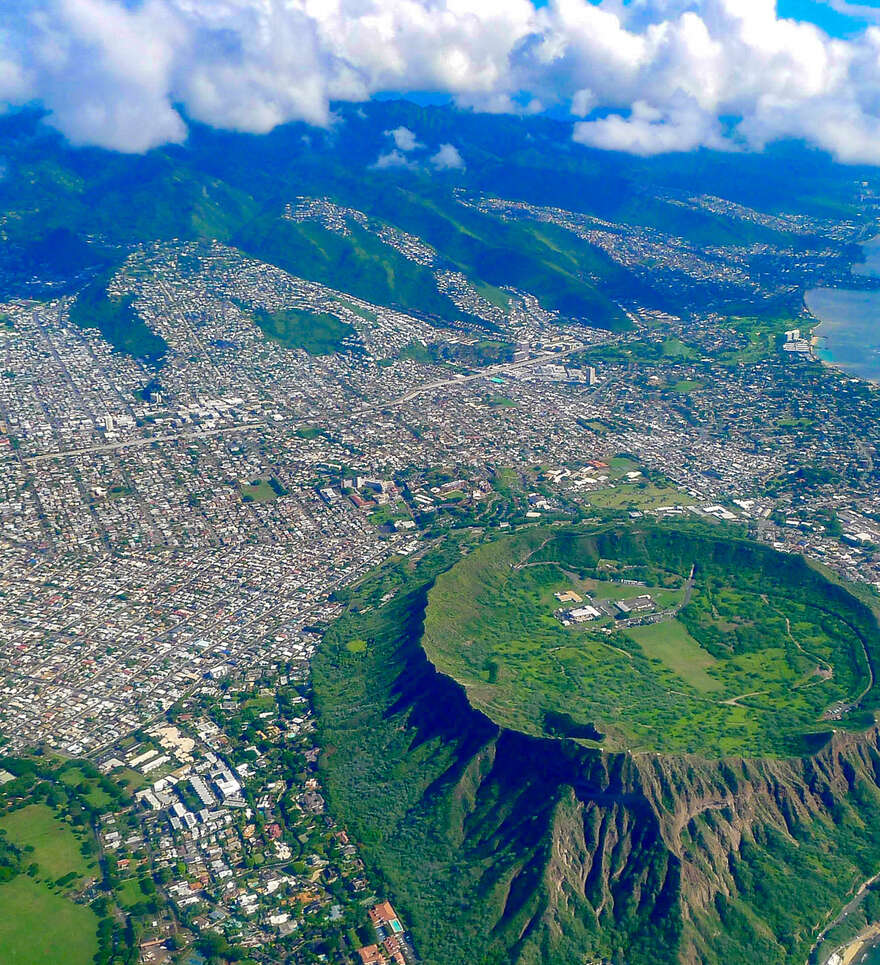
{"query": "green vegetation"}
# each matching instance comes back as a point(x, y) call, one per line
point(56, 850)
point(552, 850)
point(499, 402)
point(262, 490)
point(495, 296)
point(671, 644)
point(638, 496)
point(763, 648)
point(479, 353)
point(311, 432)
point(316, 333)
point(39, 926)
point(686, 386)
point(358, 263)
point(761, 337)
point(674, 348)
point(49, 866)
point(642, 350)
point(444, 805)
point(117, 321)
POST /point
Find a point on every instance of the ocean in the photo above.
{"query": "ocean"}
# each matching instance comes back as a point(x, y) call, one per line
point(849, 336)
point(873, 957)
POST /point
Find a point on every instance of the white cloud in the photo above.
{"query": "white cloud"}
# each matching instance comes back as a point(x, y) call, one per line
point(583, 102)
point(448, 158)
point(404, 139)
point(650, 131)
point(660, 72)
point(393, 159)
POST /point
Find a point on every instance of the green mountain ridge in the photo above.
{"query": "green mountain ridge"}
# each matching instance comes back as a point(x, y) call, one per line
point(233, 188)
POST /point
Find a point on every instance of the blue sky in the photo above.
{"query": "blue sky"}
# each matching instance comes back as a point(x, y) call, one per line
point(825, 16)
point(819, 12)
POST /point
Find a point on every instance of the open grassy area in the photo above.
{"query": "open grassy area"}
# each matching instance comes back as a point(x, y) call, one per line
point(134, 780)
point(316, 333)
point(670, 643)
point(495, 296)
point(95, 795)
point(686, 386)
point(258, 491)
point(56, 847)
point(675, 348)
point(764, 648)
point(641, 496)
point(40, 927)
point(129, 893)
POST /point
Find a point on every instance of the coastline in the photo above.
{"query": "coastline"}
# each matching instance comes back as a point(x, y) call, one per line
point(847, 954)
point(855, 344)
point(824, 328)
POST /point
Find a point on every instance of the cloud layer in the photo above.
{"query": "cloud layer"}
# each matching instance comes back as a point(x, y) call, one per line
point(644, 76)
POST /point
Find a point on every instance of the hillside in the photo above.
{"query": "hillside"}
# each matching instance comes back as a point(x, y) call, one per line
point(509, 848)
point(588, 234)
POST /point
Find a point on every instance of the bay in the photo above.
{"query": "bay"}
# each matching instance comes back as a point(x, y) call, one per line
point(849, 333)
point(849, 336)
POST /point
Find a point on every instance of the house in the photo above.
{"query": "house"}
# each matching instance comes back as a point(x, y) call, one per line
point(393, 950)
point(372, 955)
point(385, 917)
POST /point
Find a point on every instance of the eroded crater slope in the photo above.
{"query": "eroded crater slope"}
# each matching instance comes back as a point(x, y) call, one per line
point(508, 841)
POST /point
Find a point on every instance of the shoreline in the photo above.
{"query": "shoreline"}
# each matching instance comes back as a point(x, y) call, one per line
point(816, 323)
point(847, 954)
point(867, 269)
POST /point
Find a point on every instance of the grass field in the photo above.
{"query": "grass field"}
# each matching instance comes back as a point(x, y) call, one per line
point(38, 924)
point(56, 847)
point(73, 776)
point(258, 492)
point(134, 780)
point(764, 647)
point(639, 496)
point(129, 893)
point(39, 927)
point(686, 386)
point(670, 643)
point(316, 333)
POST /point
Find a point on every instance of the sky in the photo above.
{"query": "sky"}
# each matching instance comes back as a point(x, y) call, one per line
point(642, 76)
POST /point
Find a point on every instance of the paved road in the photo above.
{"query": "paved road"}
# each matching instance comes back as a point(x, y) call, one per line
point(493, 370)
point(847, 908)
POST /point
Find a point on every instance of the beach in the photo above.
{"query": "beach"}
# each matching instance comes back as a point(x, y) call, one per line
point(859, 946)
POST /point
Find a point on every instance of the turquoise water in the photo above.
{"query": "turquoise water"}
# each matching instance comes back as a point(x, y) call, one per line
point(872, 959)
point(849, 336)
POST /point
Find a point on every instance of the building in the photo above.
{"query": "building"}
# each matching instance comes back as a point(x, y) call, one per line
point(384, 917)
point(569, 596)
